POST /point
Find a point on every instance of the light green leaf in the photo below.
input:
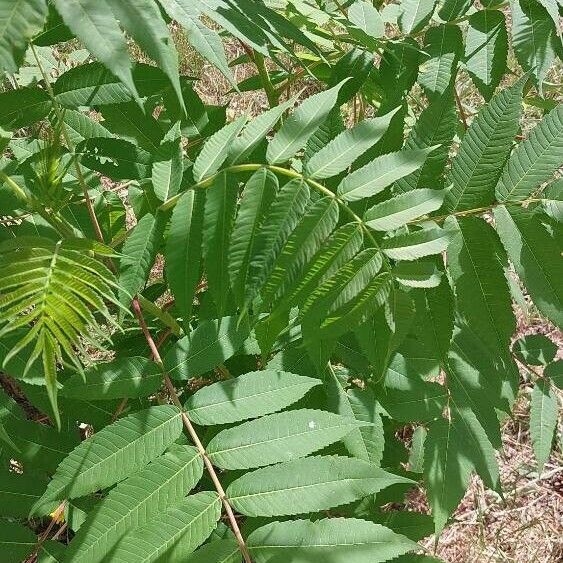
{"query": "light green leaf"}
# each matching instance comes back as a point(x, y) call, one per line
point(143, 21)
point(20, 20)
point(343, 150)
point(115, 452)
point(435, 126)
point(486, 49)
point(216, 149)
point(97, 27)
point(534, 38)
point(204, 40)
point(338, 540)
point(136, 502)
point(307, 485)
point(483, 298)
point(257, 197)
point(301, 124)
point(416, 455)
point(247, 396)
point(543, 419)
point(420, 273)
point(400, 210)
point(444, 45)
point(536, 257)
point(218, 220)
point(417, 244)
point(174, 533)
point(534, 160)
point(363, 15)
point(255, 131)
point(483, 151)
point(130, 377)
point(380, 173)
point(167, 166)
point(138, 254)
point(211, 343)
point(415, 14)
point(94, 85)
point(278, 437)
point(184, 249)
point(535, 349)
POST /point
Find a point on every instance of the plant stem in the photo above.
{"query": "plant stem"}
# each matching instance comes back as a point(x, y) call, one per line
point(461, 110)
point(193, 434)
point(283, 172)
point(54, 520)
point(271, 93)
point(18, 192)
point(154, 350)
point(475, 211)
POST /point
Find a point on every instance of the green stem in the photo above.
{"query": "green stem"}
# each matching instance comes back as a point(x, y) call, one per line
point(475, 211)
point(282, 172)
point(271, 93)
point(18, 192)
point(58, 223)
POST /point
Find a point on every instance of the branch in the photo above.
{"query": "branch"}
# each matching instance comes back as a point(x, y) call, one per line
point(193, 434)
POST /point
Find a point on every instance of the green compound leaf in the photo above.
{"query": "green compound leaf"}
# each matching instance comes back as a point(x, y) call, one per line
point(123, 377)
point(534, 160)
point(115, 452)
point(136, 502)
point(300, 125)
point(174, 533)
point(20, 20)
point(483, 151)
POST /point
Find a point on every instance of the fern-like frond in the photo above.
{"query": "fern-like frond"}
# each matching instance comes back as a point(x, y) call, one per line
point(52, 289)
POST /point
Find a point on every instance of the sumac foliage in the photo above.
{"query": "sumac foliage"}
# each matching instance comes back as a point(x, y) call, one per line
point(230, 338)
